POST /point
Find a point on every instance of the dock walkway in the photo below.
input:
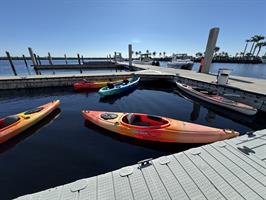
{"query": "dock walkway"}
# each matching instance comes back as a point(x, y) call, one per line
point(253, 85)
point(250, 91)
point(230, 169)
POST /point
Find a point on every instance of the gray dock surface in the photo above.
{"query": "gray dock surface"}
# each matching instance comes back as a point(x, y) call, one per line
point(230, 169)
point(253, 85)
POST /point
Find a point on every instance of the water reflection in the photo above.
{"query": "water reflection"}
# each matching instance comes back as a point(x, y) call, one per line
point(255, 122)
point(34, 129)
point(195, 112)
point(113, 98)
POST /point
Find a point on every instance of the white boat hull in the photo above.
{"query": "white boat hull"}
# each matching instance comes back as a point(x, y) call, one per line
point(180, 65)
point(244, 109)
point(142, 62)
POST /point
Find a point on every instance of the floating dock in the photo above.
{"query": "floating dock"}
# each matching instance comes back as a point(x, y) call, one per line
point(250, 91)
point(229, 169)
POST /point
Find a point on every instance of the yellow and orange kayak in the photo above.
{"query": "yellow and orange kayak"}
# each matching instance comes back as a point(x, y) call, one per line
point(156, 128)
point(15, 124)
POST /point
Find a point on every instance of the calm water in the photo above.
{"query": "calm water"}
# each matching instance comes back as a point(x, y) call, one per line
point(248, 70)
point(63, 148)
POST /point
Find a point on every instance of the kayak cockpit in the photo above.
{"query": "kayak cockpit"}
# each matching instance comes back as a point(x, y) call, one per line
point(5, 122)
point(142, 120)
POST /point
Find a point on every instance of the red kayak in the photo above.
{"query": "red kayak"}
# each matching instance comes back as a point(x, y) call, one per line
point(93, 84)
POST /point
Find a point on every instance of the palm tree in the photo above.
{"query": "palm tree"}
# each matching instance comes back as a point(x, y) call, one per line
point(136, 53)
point(139, 52)
point(147, 51)
point(226, 54)
point(260, 44)
point(160, 54)
point(216, 49)
point(164, 54)
point(247, 41)
point(254, 40)
point(258, 38)
point(154, 53)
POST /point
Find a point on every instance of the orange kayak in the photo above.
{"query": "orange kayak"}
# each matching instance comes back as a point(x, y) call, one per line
point(93, 84)
point(156, 128)
point(15, 124)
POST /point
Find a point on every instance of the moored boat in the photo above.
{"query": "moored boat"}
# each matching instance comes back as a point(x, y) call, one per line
point(156, 128)
point(181, 64)
point(15, 124)
point(85, 84)
point(125, 85)
point(180, 61)
point(144, 59)
point(217, 99)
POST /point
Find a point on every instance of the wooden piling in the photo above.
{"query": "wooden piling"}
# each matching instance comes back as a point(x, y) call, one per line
point(115, 56)
point(35, 57)
point(79, 59)
point(50, 58)
point(11, 63)
point(39, 60)
point(130, 56)
point(211, 44)
point(25, 60)
point(65, 58)
point(32, 56)
point(79, 63)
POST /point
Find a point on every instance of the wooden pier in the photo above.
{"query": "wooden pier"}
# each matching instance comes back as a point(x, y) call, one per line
point(85, 65)
point(230, 169)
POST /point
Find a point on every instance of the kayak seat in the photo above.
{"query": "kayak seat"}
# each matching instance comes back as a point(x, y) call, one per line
point(141, 123)
point(110, 85)
point(8, 121)
point(135, 120)
point(125, 81)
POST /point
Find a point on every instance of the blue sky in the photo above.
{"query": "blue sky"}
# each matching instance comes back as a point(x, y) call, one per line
point(100, 27)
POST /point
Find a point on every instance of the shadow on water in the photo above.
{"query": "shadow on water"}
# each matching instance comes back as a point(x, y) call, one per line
point(165, 147)
point(35, 92)
point(113, 98)
point(255, 122)
point(27, 133)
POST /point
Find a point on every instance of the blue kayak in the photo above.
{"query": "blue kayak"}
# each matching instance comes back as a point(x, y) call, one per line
point(113, 89)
